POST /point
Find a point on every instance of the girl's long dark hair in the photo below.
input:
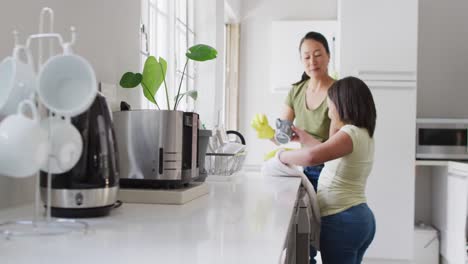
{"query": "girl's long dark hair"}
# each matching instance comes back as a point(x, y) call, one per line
point(317, 37)
point(354, 103)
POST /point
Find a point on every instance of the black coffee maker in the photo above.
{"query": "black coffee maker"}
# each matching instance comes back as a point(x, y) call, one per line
point(90, 188)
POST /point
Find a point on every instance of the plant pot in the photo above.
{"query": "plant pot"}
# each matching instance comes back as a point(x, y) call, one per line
point(158, 148)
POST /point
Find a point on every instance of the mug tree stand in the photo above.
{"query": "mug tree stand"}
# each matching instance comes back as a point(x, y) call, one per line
point(42, 224)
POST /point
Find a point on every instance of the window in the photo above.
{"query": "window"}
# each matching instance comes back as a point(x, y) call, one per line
point(231, 92)
point(168, 31)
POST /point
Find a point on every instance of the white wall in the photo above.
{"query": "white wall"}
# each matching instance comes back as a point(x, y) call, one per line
point(235, 5)
point(442, 56)
point(108, 32)
point(255, 57)
point(233, 10)
point(108, 36)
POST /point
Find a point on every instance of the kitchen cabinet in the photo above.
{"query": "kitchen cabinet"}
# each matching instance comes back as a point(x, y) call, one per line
point(378, 36)
point(378, 44)
point(391, 183)
point(448, 198)
point(452, 230)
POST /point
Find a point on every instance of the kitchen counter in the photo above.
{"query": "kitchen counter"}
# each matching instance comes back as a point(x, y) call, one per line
point(244, 221)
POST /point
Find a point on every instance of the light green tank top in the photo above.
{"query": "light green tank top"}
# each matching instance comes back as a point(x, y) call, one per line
point(316, 121)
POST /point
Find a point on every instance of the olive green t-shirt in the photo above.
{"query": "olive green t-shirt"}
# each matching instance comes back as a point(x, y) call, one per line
point(313, 121)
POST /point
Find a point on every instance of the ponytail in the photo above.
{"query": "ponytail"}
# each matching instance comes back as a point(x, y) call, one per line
point(304, 77)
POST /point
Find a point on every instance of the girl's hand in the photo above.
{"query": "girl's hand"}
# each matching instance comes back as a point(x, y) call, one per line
point(303, 137)
point(298, 135)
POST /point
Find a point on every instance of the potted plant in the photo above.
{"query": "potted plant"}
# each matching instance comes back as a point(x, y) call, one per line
point(154, 75)
point(146, 138)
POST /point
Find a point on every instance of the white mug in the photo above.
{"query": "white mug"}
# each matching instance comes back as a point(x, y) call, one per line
point(17, 81)
point(23, 143)
point(65, 145)
point(67, 84)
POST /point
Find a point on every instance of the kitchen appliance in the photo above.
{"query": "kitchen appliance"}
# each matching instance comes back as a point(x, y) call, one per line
point(444, 139)
point(159, 148)
point(90, 188)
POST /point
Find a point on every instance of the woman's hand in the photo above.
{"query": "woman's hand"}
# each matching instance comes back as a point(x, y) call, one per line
point(260, 124)
point(303, 137)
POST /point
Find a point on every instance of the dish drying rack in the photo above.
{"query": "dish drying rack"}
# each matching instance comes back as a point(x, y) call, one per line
point(224, 164)
point(221, 163)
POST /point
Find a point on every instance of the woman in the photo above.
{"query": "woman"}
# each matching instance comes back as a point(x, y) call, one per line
point(306, 102)
point(348, 224)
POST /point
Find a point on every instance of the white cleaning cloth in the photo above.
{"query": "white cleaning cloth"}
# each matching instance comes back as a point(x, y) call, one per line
point(274, 167)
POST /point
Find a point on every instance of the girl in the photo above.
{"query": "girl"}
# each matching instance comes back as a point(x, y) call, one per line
point(348, 224)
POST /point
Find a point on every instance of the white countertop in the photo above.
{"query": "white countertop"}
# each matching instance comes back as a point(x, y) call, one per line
point(242, 221)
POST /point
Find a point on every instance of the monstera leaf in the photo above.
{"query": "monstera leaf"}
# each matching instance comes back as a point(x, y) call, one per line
point(201, 52)
point(163, 67)
point(131, 80)
point(153, 76)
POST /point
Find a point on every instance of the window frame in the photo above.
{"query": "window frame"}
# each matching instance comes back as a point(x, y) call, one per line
point(177, 23)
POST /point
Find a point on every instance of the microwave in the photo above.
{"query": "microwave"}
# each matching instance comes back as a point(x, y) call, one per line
point(442, 139)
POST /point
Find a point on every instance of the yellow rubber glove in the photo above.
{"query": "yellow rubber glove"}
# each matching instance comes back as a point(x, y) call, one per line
point(272, 153)
point(260, 124)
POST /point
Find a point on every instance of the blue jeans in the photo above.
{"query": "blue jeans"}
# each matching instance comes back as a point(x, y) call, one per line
point(345, 236)
point(313, 173)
